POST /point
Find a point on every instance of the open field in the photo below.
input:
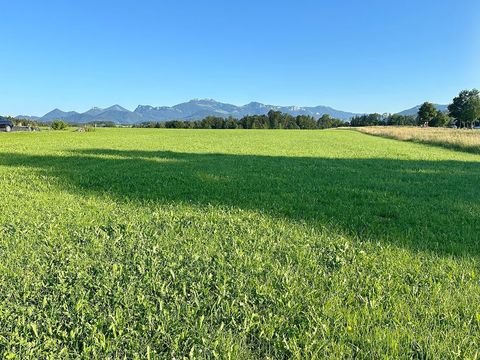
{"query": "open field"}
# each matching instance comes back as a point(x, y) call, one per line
point(139, 243)
point(456, 139)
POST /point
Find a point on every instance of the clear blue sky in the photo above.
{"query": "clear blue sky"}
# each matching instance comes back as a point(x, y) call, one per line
point(362, 56)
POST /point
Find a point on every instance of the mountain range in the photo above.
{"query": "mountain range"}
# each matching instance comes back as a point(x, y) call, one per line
point(414, 110)
point(192, 110)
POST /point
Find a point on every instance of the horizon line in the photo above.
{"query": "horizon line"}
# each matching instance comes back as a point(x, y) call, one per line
point(221, 102)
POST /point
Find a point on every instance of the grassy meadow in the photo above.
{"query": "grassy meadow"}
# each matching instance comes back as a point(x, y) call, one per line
point(457, 139)
point(241, 244)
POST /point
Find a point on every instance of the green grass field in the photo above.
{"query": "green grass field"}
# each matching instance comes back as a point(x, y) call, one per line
point(136, 243)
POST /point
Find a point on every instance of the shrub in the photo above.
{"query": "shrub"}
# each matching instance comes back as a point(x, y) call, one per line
point(59, 125)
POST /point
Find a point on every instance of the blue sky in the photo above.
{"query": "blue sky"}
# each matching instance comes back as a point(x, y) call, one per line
point(361, 56)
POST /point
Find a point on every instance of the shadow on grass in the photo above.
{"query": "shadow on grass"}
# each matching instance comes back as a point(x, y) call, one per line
point(423, 205)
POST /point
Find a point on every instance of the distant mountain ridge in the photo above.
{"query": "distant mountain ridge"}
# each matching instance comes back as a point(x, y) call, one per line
point(195, 109)
point(414, 110)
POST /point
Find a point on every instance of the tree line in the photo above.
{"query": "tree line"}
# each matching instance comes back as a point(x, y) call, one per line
point(437, 119)
point(463, 112)
point(383, 120)
point(58, 123)
point(272, 120)
point(26, 122)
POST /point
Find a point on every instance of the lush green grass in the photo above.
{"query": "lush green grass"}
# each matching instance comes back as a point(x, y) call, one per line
point(129, 243)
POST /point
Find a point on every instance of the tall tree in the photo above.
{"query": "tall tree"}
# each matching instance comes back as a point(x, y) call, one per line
point(426, 113)
point(465, 108)
point(439, 120)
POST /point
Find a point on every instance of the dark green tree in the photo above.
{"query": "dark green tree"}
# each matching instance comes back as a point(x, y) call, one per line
point(274, 119)
point(230, 123)
point(306, 122)
point(426, 113)
point(465, 108)
point(439, 120)
point(59, 125)
point(326, 122)
point(368, 120)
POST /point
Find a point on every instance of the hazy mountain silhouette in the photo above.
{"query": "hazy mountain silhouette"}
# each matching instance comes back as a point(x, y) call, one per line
point(195, 109)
